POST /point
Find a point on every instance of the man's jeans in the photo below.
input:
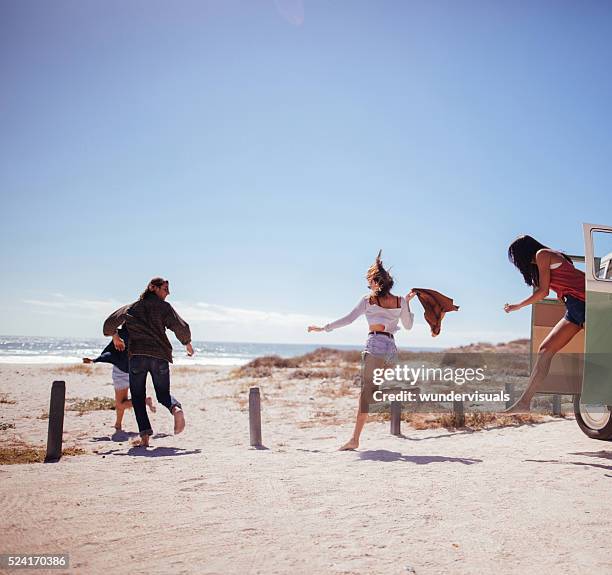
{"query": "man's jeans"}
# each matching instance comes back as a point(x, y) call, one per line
point(140, 365)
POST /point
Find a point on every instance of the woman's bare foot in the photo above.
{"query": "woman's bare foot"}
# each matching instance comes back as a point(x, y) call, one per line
point(351, 444)
point(118, 427)
point(149, 402)
point(179, 420)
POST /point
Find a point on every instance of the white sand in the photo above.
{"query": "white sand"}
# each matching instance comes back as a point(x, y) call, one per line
point(533, 499)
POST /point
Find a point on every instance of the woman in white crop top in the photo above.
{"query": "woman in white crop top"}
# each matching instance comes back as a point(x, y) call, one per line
point(383, 312)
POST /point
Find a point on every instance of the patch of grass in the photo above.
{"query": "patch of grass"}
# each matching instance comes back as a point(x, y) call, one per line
point(23, 453)
point(345, 388)
point(4, 398)
point(4, 426)
point(94, 404)
point(475, 421)
point(262, 366)
point(326, 355)
point(321, 357)
point(350, 373)
point(257, 372)
point(72, 451)
point(187, 369)
point(80, 368)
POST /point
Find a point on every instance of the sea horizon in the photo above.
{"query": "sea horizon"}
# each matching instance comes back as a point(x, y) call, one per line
point(26, 349)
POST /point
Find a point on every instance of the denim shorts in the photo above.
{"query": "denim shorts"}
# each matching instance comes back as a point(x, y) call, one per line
point(381, 346)
point(121, 380)
point(574, 310)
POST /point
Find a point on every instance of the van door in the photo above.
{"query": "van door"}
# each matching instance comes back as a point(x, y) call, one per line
point(597, 377)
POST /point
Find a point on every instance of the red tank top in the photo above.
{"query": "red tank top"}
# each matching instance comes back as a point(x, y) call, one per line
point(567, 280)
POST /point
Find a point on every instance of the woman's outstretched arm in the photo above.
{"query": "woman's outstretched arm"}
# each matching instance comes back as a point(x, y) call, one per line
point(358, 310)
point(543, 262)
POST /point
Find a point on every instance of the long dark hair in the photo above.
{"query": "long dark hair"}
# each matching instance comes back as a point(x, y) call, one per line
point(381, 276)
point(155, 282)
point(522, 253)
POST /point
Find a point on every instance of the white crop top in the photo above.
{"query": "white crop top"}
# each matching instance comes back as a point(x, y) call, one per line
point(389, 317)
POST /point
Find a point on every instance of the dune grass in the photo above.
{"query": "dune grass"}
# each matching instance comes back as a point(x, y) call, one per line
point(24, 453)
point(77, 368)
point(4, 398)
point(93, 404)
point(473, 421)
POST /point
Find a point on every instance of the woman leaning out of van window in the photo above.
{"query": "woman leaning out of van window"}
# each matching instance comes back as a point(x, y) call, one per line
point(545, 269)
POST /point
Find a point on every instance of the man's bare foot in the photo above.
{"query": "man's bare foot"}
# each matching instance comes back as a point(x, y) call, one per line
point(118, 427)
point(179, 420)
point(352, 444)
point(518, 407)
point(149, 402)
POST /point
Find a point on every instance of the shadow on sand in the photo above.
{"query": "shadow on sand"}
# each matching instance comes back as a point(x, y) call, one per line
point(118, 437)
point(580, 463)
point(121, 436)
point(384, 455)
point(469, 431)
point(139, 451)
point(602, 454)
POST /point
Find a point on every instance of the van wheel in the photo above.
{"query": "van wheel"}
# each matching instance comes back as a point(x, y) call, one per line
point(594, 420)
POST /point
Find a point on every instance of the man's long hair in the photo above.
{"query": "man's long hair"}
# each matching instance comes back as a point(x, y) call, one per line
point(155, 282)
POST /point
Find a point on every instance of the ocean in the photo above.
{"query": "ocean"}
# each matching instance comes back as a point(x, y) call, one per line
point(36, 350)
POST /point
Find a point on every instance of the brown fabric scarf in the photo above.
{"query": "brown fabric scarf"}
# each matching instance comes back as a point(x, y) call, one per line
point(435, 305)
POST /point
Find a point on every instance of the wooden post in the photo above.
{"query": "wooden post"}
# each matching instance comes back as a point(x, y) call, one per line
point(509, 389)
point(458, 413)
point(556, 404)
point(396, 418)
point(255, 416)
point(56, 421)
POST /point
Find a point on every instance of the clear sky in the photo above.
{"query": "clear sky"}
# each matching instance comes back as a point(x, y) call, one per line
point(260, 152)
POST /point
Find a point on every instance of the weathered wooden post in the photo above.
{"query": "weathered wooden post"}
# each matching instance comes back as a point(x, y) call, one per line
point(458, 413)
point(509, 389)
point(56, 421)
point(396, 418)
point(255, 416)
point(556, 404)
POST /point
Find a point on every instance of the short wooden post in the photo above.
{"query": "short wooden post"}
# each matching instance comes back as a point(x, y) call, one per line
point(509, 389)
point(56, 421)
point(458, 414)
point(556, 404)
point(396, 418)
point(255, 416)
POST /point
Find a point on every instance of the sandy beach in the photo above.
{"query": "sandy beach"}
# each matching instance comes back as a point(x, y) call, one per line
point(505, 500)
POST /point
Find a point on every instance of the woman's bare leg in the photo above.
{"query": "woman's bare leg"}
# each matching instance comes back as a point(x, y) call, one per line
point(353, 442)
point(556, 340)
point(370, 362)
point(121, 404)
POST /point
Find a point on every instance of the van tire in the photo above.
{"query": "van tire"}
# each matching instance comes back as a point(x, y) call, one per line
point(604, 433)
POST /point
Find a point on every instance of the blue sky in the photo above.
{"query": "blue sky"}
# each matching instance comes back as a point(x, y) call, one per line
point(259, 153)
